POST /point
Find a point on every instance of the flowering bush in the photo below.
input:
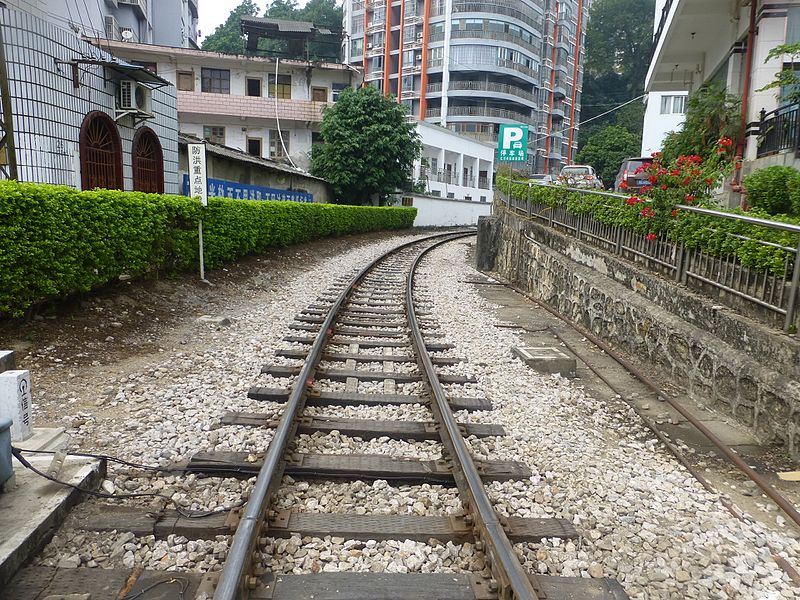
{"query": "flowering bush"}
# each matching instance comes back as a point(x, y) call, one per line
point(688, 180)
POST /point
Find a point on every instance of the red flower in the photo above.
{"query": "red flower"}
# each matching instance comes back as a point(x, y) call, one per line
point(623, 185)
point(662, 171)
point(690, 198)
point(645, 189)
point(652, 179)
point(651, 237)
point(675, 172)
point(686, 181)
point(726, 142)
point(708, 181)
point(632, 201)
point(648, 212)
point(663, 186)
point(656, 155)
point(674, 212)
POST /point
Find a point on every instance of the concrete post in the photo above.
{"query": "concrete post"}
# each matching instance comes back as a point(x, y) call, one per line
point(15, 403)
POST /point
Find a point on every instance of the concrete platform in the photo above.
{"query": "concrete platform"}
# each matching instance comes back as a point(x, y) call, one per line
point(32, 508)
point(546, 359)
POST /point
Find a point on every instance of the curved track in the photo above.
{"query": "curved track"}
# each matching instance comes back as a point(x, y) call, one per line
point(377, 310)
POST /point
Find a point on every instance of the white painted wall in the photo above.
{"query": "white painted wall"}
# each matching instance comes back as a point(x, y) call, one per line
point(656, 125)
point(443, 212)
point(461, 152)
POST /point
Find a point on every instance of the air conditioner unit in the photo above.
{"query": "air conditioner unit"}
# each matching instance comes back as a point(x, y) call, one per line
point(419, 57)
point(369, 46)
point(134, 96)
point(112, 27)
point(419, 35)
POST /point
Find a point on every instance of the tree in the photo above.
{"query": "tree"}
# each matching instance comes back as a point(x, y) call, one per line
point(786, 80)
point(711, 114)
point(282, 9)
point(368, 148)
point(227, 38)
point(606, 150)
point(618, 40)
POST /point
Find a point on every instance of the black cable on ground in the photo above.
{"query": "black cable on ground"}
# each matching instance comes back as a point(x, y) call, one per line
point(189, 514)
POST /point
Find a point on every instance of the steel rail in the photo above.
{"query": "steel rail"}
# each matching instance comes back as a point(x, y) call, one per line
point(511, 579)
point(781, 501)
point(235, 581)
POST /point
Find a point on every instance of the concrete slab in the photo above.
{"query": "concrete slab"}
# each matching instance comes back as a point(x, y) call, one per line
point(35, 507)
point(546, 359)
point(46, 438)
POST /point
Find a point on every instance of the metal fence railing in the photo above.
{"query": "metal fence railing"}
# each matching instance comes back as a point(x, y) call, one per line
point(779, 130)
point(723, 277)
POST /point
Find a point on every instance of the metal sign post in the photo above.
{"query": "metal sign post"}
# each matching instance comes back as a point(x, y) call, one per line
point(198, 188)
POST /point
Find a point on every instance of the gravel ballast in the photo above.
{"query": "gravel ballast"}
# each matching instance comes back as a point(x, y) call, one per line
point(645, 520)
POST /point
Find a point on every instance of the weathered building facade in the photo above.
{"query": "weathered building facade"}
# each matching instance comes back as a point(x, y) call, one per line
point(74, 115)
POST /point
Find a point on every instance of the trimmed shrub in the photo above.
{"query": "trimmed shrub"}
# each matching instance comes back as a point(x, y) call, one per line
point(56, 241)
point(771, 189)
point(713, 235)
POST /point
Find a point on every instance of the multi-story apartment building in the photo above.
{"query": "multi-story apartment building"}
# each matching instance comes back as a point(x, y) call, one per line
point(165, 22)
point(471, 66)
point(241, 101)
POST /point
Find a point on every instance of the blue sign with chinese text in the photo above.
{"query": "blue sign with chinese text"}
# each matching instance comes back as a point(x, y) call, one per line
point(243, 191)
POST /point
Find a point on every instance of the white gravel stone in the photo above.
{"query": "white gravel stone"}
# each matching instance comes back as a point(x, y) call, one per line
point(644, 519)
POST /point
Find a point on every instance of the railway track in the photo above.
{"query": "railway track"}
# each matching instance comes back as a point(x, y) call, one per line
point(372, 329)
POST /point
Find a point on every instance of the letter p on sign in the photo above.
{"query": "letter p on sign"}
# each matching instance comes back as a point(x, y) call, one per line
point(513, 143)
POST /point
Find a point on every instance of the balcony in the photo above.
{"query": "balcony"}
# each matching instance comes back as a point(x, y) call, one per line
point(692, 38)
point(479, 34)
point(487, 111)
point(225, 105)
point(376, 50)
point(488, 86)
point(510, 8)
point(508, 64)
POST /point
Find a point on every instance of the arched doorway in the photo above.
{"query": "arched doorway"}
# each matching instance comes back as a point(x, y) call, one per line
point(148, 162)
point(101, 153)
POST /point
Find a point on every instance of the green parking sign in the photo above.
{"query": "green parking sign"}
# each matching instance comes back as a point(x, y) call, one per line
point(513, 143)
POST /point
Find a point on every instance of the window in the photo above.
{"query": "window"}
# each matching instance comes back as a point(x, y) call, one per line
point(101, 153)
point(254, 146)
point(275, 147)
point(216, 81)
point(253, 86)
point(185, 81)
point(675, 105)
point(336, 89)
point(357, 47)
point(281, 89)
point(148, 162)
point(408, 201)
point(319, 94)
point(215, 135)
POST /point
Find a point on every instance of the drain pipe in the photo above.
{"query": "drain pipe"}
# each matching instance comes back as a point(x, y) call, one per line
point(736, 184)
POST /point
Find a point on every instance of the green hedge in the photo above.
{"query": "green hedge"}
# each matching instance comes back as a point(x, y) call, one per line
point(55, 241)
point(713, 235)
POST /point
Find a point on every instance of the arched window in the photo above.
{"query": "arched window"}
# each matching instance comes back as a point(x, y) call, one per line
point(148, 162)
point(101, 153)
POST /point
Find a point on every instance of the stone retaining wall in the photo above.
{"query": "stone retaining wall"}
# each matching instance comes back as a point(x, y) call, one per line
point(727, 361)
